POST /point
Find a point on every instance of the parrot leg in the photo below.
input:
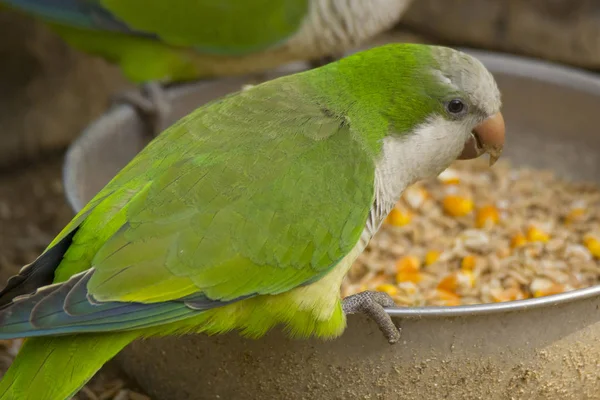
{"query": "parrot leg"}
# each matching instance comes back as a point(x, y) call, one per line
point(319, 62)
point(372, 304)
point(152, 103)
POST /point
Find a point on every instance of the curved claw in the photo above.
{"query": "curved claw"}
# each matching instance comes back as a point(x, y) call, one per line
point(372, 304)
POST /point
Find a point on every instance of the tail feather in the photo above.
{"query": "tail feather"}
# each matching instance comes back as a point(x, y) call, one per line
point(65, 308)
point(55, 368)
point(37, 274)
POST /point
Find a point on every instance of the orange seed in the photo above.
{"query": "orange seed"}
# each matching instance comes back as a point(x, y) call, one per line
point(457, 206)
point(487, 215)
point(468, 263)
point(432, 256)
point(390, 289)
point(398, 217)
point(537, 235)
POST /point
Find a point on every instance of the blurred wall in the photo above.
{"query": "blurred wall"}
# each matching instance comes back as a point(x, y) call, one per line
point(48, 92)
point(567, 31)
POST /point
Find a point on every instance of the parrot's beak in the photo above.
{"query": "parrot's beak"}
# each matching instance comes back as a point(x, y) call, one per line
point(487, 137)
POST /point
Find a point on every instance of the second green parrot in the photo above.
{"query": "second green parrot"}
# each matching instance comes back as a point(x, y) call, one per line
point(180, 40)
point(156, 42)
point(247, 213)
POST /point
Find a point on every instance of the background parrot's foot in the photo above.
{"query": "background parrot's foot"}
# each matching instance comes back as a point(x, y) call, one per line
point(319, 62)
point(152, 102)
point(372, 304)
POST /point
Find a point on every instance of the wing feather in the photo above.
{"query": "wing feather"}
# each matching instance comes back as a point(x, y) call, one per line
point(272, 193)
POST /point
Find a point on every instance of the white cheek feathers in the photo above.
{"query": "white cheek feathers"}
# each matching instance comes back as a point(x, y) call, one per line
point(423, 153)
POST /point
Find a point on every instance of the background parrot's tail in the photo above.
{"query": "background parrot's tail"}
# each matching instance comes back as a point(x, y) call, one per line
point(55, 368)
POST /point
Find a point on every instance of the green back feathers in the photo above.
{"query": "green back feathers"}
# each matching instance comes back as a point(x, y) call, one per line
point(229, 202)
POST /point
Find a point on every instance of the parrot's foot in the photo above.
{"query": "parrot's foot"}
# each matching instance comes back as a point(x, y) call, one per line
point(152, 102)
point(319, 62)
point(372, 304)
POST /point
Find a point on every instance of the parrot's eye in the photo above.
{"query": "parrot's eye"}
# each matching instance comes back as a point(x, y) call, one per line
point(455, 106)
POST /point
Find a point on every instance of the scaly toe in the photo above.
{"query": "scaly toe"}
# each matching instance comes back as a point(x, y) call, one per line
point(372, 304)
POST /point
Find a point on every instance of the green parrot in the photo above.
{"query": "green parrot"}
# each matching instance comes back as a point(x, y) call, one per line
point(157, 42)
point(247, 213)
point(180, 40)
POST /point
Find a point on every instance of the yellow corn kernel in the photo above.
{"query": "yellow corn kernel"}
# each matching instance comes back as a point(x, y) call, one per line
point(518, 240)
point(449, 298)
point(432, 256)
point(453, 282)
point(408, 264)
point(448, 283)
point(487, 215)
point(592, 244)
point(574, 215)
point(390, 289)
point(468, 263)
point(536, 235)
point(398, 217)
point(449, 177)
point(457, 206)
point(407, 269)
point(414, 277)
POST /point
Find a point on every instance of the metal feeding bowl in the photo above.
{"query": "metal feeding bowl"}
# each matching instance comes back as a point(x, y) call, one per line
point(543, 348)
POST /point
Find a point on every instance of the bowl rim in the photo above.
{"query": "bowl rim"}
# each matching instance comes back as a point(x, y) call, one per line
point(498, 62)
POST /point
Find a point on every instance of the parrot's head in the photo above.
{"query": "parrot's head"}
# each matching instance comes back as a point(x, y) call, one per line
point(440, 104)
point(471, 103)
point(454, 107)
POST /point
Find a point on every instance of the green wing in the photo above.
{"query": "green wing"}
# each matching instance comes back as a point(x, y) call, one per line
point(230, 27)
point(255, 194)
point(166, 40)
point(227, 27)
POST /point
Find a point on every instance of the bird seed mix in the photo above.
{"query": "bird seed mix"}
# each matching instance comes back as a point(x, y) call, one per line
point(481, 235)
